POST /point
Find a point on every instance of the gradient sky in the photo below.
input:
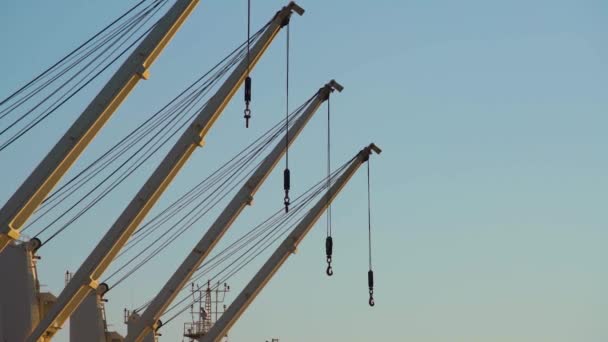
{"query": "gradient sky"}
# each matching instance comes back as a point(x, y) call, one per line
point(489, 199)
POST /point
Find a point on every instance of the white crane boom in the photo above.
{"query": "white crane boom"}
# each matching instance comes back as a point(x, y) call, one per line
point(149, 320)
point(287, 247)
point(86, 277)
point(22, 204)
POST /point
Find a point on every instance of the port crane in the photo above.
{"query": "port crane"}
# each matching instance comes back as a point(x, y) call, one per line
point(85, 279)
point(22, 204)
point(150, 318)
point(286, 248)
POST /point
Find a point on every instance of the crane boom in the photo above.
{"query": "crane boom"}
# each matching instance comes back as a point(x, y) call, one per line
point(22, 204)
point(149, 320)
point(288, 246)
point(86, 277)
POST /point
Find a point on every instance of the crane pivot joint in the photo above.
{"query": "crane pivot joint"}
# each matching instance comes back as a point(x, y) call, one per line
point(291, 7)
point(34, 244)
point(375, 148)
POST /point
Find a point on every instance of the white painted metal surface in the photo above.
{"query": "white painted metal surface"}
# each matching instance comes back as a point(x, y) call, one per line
point(19, 306)
point(87, 323)
point(132, 323)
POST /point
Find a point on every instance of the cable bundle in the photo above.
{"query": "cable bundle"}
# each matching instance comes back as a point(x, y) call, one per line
point(104, 175)
point(41, 97)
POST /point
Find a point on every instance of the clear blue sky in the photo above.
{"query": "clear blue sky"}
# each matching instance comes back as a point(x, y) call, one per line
point(489, 199)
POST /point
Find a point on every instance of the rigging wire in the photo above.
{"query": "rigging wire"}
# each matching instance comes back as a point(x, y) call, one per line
point(284, 221)
point(151, 147)
point(9, 110)
point(171, 128)
point(149, 120)
point(252, 253)
point(370, 273)
point(130, 137)
point(329, 242)
point(248, 78)
point(286, 172)
point(111, 43)
point(188, 224)
point(238, 177)
point(119, 31)
point(259, 247)
point(279, 217)
point(150, 150)
point(149, 124)
point(52, 67)
point(191, 199)
point(84, 54)
point(182, 108)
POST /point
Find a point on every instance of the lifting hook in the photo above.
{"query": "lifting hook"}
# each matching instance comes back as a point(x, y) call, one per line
point(329, 271)
point(247, 116)
point(370, 283)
